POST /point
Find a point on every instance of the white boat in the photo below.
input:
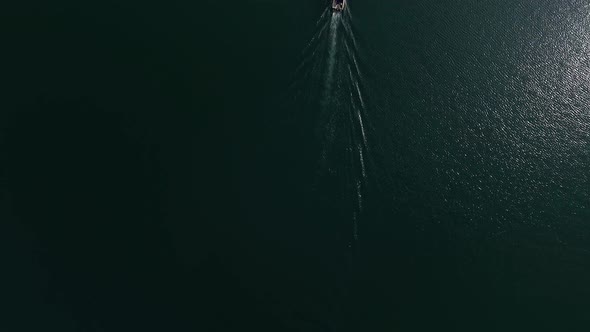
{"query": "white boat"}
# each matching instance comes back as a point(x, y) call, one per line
point(338, 5)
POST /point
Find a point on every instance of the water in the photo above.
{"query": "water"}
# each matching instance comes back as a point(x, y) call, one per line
point(444, 133)
point(275, 166)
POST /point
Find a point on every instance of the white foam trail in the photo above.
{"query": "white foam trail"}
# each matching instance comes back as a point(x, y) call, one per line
point(358, 90)
point(354, 82)
point(356, 66)
point(331, 55)
point(359, 114)
point(362, 161)
point(356, 146)
point(352, 57)
point(362, 104)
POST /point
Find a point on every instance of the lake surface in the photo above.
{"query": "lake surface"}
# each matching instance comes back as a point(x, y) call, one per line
point(273, 166)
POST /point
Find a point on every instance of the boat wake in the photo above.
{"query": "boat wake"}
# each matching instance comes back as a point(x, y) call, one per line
point(329, 80)
point(333, 35)
point(329, 96)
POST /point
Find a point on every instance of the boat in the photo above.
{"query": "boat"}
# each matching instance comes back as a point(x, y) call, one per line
point(338, 5)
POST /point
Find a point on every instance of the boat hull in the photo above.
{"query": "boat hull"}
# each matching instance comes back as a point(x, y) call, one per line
point(338, 5)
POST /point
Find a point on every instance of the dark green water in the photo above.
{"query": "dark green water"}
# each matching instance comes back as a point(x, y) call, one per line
point(271, 166)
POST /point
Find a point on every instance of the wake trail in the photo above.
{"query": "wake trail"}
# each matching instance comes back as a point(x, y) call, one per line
point(359, 112)
point(353, 59)
point(360, 118)
point(331, 57)
point(330, 74)
point(357, 177)
point(343, 125)
point(354, 182)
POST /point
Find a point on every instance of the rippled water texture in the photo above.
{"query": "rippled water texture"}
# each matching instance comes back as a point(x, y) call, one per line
point(269, 165)
point(480, 109)
point(467, 125)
